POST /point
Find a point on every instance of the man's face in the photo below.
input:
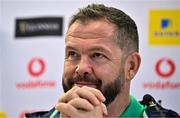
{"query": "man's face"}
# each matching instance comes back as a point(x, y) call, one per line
point(93, 59)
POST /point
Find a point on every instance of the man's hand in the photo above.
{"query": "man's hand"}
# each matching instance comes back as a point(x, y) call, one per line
point(82, 102)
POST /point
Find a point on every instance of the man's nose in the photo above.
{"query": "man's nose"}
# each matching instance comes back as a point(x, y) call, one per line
point(84, 66)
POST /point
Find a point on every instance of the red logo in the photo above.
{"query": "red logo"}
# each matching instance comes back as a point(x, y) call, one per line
point(36, 67)
point(165, 67)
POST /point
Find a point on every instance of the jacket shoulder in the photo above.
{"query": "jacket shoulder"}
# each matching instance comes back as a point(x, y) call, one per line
point(40, 114)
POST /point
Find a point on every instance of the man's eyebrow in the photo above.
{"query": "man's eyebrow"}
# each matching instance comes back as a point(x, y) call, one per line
point(94, 48)
point(69, 48)
point(101, 49)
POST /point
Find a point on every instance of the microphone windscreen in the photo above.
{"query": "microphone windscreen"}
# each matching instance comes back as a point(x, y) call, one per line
point(147, 99)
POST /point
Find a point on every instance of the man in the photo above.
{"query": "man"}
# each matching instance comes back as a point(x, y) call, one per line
point(101, 59)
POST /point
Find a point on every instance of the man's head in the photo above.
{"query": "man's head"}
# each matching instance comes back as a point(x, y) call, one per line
point(125, 35)
point(101, 50)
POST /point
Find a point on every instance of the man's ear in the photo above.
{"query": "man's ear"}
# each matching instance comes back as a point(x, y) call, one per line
point(132, 65)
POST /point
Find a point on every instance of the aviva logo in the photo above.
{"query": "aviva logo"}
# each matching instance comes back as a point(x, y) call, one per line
point(165, 23)
point(164, 27)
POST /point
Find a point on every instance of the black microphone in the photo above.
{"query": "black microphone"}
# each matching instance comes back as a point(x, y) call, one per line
point(148, 100)
point(151, 104)
point(153, 109)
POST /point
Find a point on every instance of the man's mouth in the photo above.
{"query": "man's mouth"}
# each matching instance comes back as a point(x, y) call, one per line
point(83, 83)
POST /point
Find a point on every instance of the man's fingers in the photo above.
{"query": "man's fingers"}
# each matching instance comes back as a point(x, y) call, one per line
point(69, 95)
point(104, 109)
point(73, 107)
point(80, 103)
point(62, 115)
point(81, 100)
point(93, 95)
point(96, 92)
point(86, 94)
point(66, 109)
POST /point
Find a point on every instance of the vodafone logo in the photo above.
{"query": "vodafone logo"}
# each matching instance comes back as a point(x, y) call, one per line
point(36, 66)
point(165, 67)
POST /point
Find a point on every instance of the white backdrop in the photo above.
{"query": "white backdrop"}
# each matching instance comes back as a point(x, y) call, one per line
point(16, 54)
point(0, 57)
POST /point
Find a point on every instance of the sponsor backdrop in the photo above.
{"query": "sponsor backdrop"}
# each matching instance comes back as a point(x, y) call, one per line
point(32, 51)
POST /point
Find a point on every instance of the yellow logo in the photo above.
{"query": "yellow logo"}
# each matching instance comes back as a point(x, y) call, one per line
point(164, 27)
point(3, 115)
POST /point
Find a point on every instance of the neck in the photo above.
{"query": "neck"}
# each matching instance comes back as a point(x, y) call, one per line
point(118, 106)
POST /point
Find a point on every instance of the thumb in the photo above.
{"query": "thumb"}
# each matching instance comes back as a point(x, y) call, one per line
point(104, 109)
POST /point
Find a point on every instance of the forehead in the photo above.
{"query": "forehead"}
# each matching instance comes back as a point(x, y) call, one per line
point(92, 29)
point(92, 35)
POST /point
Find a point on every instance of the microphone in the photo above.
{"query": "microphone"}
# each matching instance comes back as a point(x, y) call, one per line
point(151, 104)
point(148, 100)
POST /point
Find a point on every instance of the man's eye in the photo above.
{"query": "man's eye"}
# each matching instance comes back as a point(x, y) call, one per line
point(99, 58)
point(98, 55)
point(71, 55)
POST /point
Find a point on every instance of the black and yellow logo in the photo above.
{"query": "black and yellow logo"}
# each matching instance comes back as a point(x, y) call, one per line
point(40, 26)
